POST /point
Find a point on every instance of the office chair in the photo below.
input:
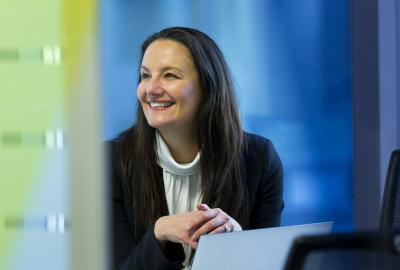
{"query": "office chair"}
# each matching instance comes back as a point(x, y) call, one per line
point(347, 251)
point(390, 211)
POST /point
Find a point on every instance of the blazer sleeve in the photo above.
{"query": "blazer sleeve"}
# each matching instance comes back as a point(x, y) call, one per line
point(128, 252)
point(268, 203)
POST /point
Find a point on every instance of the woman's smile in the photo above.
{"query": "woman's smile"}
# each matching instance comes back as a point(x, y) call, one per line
point(160, 105)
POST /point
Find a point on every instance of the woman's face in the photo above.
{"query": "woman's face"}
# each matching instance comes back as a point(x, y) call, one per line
point(169, 90)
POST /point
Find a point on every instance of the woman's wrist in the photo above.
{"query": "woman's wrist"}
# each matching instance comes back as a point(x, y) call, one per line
point(158, 234)
point(158, 230)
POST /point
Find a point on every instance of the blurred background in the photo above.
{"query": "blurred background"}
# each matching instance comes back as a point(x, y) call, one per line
point(319, 78)
point(291, 64)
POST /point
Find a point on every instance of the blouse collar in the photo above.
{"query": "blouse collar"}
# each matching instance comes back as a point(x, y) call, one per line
point(168, 163)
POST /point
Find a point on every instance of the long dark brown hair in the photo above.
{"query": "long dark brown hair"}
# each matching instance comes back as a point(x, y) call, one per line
point(219, 133)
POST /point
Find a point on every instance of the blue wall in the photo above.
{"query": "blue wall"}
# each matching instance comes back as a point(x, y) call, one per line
point(291, 64)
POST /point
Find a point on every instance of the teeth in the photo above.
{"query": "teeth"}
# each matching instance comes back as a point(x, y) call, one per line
point(160, 104)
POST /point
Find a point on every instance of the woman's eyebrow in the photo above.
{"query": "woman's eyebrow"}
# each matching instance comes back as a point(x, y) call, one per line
point(145, 68)
point(166, 68)
point(163, 69)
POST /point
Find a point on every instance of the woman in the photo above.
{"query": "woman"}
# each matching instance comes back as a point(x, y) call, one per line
point(186, 168)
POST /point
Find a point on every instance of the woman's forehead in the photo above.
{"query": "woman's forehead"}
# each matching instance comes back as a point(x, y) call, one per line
point(164, 52)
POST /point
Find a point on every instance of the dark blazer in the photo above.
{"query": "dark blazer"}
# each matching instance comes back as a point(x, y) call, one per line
point(264, 178)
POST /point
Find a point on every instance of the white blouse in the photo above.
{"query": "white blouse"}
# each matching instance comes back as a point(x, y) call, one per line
point(181, 182)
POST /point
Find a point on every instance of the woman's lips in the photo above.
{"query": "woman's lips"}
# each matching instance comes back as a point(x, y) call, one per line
point(160, 106)
point(164, 104)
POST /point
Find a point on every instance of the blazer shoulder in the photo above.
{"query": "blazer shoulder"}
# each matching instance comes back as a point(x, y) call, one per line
point(257, 143)
point(259, 149)
point(114, 146)
point(251, 139)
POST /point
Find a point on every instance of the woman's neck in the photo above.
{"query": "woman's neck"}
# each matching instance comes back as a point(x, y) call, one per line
point(183, 146)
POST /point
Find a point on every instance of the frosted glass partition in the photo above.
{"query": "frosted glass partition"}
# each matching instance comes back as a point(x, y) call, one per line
point(51, 184)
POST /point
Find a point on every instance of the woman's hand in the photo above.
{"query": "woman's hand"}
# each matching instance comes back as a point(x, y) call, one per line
point(187, 228)
point(222, 222)
point(179, 228)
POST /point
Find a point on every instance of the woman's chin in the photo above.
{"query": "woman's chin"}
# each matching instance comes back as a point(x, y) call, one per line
point(158, 124)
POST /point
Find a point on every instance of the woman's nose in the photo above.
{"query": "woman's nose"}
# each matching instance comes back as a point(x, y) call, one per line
point(154, 88)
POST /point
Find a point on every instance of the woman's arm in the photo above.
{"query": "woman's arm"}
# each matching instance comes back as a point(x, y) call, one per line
point(131, 253)
point(268, 202)
point(144, 254)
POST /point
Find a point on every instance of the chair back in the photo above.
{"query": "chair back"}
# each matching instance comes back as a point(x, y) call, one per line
point(350, 251)
point(390, 211)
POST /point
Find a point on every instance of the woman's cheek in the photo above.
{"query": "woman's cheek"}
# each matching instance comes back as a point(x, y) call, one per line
point(140, 92)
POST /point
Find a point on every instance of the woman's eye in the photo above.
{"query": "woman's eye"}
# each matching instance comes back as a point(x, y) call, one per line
point(171, 76)
point(144, 76)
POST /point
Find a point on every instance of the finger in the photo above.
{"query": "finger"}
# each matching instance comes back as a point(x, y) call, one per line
point(198, 229)
point(201, 218)
point(203, 207)
point(198, 218)
point(194, 246)
point(190, 242)
point(220, 229)
point(210, 226)
point(209, 214)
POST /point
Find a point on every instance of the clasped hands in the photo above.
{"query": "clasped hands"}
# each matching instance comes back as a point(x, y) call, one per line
point(186, 228)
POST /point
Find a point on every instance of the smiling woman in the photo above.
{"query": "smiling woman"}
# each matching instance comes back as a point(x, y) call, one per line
point(186, 168)
point(169, 92)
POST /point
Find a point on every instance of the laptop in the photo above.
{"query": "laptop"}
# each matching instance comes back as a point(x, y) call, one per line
point(265, 249)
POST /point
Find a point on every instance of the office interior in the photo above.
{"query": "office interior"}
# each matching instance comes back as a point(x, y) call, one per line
point(321, 79)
